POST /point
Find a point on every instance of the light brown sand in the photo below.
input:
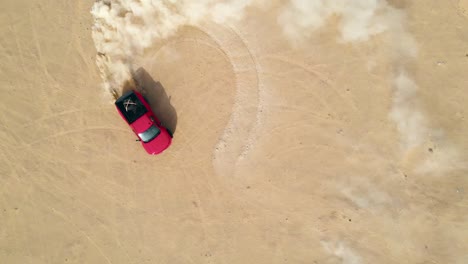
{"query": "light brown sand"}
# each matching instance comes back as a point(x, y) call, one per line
point(281, 154)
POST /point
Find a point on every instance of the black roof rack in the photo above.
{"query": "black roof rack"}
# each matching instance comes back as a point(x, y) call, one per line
point(130, 106)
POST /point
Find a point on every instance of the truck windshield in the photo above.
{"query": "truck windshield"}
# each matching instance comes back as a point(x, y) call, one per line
point(149, 134)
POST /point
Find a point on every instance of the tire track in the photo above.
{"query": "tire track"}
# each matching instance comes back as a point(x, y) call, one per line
point(321, 76)
point(239, 134)
point(55, 115)
point(84, 233)
point(64, 133)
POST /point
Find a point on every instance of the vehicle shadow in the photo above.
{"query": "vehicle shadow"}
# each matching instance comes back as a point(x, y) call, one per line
point(157, 98)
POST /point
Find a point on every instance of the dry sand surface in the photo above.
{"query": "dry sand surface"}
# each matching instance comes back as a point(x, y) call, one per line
point(304, 133)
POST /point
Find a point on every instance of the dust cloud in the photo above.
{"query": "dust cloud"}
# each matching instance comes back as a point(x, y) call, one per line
point(359, 21)
point(123, 29)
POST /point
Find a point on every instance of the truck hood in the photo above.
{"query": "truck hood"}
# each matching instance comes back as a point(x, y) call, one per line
point(158, 144)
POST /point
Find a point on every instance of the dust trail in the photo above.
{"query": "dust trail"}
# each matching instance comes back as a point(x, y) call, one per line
point(123, 29)
point(342, 252)
point(409, 120)
point(364, 194)
point(359, 21)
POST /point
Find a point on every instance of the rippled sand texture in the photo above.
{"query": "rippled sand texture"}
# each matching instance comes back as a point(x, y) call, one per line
point(307, 146)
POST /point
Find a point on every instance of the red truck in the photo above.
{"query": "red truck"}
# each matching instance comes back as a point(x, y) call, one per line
point(136, 111)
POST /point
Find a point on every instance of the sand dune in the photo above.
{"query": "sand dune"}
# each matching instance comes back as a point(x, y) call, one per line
point(305, 132)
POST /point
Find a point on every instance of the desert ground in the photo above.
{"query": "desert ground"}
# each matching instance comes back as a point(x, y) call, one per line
point(295, 142)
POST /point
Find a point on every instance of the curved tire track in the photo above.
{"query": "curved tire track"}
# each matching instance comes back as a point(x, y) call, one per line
point(238, 137)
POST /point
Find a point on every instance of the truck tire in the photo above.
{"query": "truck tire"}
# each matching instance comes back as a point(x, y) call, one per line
point(170, 132)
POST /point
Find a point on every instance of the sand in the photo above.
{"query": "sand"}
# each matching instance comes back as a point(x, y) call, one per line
point(317, 151)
